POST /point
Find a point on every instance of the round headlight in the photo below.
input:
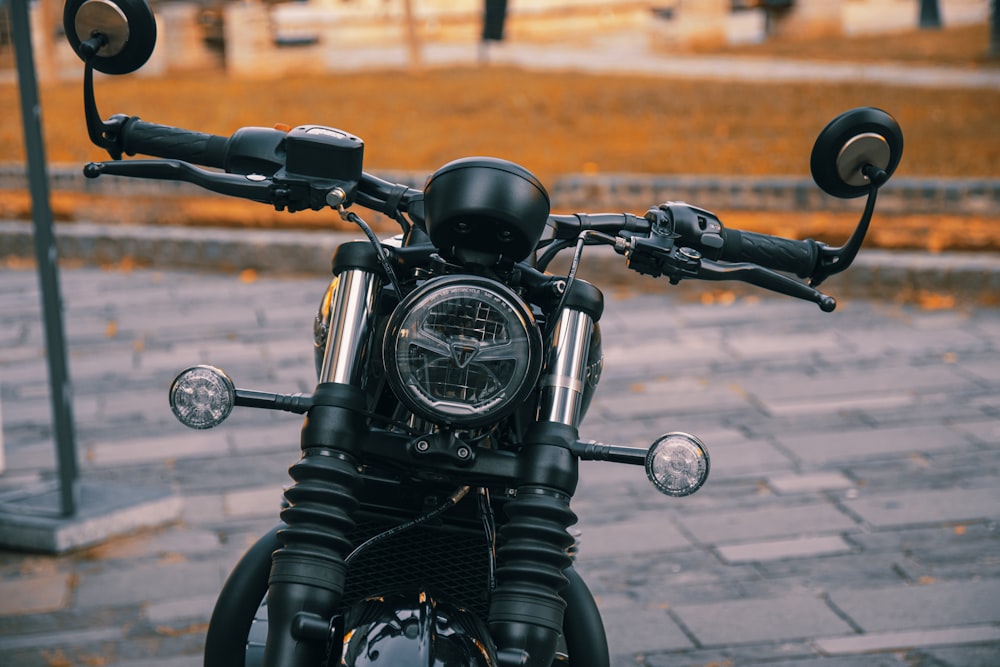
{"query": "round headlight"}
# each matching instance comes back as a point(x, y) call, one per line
point(462, 351)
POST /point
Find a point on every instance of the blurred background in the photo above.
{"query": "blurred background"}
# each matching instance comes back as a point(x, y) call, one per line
point(581, 92)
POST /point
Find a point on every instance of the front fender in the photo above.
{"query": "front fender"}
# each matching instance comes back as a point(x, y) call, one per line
point(237, 604)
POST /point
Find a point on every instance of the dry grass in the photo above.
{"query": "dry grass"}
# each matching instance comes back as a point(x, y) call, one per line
point(553, 123)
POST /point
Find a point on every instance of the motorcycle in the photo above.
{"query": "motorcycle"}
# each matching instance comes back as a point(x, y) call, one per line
point(427, 519)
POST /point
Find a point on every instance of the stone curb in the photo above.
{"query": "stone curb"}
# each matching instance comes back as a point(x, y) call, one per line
point(876, 274)
point(954, 196)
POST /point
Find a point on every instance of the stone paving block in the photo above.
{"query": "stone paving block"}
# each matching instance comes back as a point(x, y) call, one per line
point(887, 641)
point(771, 521)
point(199, 508)
point(859, 568)
point(652, 398)
point(173, 541)
point(657, 354)
point(986, 433)
point(755, 346)
point(755, 458)
point(51, 640)
point(192, 444)
point(195, 607)
point(808, 405)
point(166, 580)
point(172, 661)
point(34, 595)
point(802, 547)
point(886, 339)
point(850, 383)
point(936, 605)
point(279, 436)
point(926, 507)
point(833, 446)
point(788, 484)
point(638, 629)
point(642, 532)
point(255, 502)
point(785, 618)
point(975, 655)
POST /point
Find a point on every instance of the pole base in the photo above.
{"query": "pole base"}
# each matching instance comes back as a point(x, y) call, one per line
point(30, 519)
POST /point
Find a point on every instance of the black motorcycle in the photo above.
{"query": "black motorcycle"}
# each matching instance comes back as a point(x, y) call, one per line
point(427, 520)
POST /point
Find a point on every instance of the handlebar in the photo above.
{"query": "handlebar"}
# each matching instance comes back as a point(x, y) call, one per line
point(138, 136)
point(314, 167)
point(773, 252)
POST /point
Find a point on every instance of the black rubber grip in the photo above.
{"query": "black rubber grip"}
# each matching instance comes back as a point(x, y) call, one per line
point(773, 252)
point(208, 150)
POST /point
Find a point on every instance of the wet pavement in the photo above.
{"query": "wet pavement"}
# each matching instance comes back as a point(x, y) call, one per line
point(851, 516)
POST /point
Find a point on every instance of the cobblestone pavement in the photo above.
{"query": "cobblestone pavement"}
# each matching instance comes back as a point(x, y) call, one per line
point(851, 516)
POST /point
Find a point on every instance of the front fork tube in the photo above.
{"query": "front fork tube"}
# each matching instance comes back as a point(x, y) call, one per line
point(527, 610)
point(307, 576)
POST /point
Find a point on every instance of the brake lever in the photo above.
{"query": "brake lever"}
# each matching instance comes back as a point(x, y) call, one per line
point(766, 279)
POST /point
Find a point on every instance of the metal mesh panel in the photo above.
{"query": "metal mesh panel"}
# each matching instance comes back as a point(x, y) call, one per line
point(448, 563)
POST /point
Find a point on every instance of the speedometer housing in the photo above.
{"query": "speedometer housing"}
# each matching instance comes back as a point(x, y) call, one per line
point(485, 204)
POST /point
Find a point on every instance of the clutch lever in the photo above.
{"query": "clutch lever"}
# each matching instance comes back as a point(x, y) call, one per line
point(176, 170)
point(766, 279)
point(282, 194)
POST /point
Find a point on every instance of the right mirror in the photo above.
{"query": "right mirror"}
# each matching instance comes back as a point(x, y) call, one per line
point(117, 36)
point(851, 147)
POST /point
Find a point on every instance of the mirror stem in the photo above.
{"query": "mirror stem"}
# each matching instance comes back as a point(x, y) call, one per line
point(89, 48)
point(102, 134)
point(835, 260)
point(875, 175)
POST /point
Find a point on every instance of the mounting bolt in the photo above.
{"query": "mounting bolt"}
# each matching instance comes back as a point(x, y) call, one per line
point(336, 197)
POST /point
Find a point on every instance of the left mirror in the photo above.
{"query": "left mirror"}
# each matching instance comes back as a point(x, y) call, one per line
point(115, 36)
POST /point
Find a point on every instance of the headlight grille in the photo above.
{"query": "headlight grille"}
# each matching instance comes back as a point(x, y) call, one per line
point(462, 351)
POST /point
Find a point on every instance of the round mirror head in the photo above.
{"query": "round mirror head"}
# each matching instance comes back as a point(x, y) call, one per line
point(853, 141)
point(116, 36)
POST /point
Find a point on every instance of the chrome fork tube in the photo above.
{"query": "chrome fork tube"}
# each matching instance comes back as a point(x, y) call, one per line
point(562, 388)
point(309, 569)
point(352, 305)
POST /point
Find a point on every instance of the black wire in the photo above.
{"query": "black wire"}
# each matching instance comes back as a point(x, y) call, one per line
point(574, 265)
point(489, 528)
point(377, 244)
point(554, 248)
point(413, 523)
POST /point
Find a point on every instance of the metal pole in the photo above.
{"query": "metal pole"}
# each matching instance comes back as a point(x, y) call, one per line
point(994, 51)
point(47, 257)
point(930, 14)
